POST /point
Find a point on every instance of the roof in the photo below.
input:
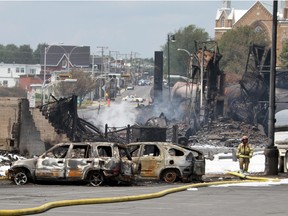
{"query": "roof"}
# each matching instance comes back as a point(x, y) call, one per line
point(234, 14)
point(254, 5)
point(78, 55)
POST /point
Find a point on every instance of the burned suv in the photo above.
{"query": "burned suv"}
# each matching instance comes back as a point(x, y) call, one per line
point(167, 161)
point(95, 163)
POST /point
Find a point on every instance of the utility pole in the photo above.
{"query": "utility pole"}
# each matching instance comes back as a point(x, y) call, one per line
point(101, 69)
point(102, 57)
point(170, 38)
point(271, 152)
point(115, 60)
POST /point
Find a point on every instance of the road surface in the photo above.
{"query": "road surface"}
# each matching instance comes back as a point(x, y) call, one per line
point(214, 201)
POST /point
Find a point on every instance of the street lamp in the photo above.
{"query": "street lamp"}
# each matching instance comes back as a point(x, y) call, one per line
point(201, 72)
point(69, 54)
point(190, 60)
point(45, 63)
point(189, 68)
point(172, 39)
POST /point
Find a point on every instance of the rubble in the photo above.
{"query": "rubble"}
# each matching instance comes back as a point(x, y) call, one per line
point(6, 158)
point(223, 136)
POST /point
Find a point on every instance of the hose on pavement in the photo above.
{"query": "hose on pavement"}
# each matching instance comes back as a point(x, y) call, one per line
point(63, 203)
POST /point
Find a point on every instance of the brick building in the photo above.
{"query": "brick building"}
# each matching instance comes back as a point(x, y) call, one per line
point(257, 16)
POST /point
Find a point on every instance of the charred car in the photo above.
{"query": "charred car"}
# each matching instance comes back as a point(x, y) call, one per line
point(96, 163)
point(167, 161)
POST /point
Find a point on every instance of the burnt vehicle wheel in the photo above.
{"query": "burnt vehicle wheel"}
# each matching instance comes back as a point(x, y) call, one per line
point(20, 177)
point(96, 179)
point(169, 176)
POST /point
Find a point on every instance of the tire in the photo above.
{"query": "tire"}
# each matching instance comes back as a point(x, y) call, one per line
point(96, 178)
point(286, 162)
point(169, 176)
point(20, 177)
point(281, 164)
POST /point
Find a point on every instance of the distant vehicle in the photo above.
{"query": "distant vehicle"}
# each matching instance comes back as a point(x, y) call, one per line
point(133, 98)
point(141, 82)
point(168, 162)
point(130, 87)
point(147, 82)
point(95, 163)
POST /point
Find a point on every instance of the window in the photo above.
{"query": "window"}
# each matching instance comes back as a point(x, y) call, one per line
point(258, 29)
point(134, 150)
point(151, 150)
point(175, 152)
point(22, 70)
point(104, 151)
point(223, 22)
point(9, 70)
point(5, 83)
point(58, 152)
point(32, 71)
point(17, 69)
point(80, 151)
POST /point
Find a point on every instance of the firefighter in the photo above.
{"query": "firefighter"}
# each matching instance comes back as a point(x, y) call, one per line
point(244, 153)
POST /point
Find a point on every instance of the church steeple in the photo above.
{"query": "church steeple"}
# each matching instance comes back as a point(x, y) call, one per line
point(226, 4)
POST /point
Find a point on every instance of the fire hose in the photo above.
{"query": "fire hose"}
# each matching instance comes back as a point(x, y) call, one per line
point(63, 203)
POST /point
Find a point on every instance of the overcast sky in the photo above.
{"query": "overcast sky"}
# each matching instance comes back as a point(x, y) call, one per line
point(125, 26)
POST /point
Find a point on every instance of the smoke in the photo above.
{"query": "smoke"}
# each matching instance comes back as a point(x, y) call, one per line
point(116, 115)
point(119, 115)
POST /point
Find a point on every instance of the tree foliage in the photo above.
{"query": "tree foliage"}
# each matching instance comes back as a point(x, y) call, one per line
point(81, 84)
point(284, 54)
point(234, 46)
point(185, 38)
point(24, 54)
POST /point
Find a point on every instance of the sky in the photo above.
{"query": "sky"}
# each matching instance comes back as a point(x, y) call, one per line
point(137, 27)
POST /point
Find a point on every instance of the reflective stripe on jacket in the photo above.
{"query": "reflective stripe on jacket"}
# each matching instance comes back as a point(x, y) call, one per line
point(246, 150)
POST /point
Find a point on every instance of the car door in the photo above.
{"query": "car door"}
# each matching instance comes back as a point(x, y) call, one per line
point(78, 161)
point(126, 163)
point(51, 165)
point(151, 159)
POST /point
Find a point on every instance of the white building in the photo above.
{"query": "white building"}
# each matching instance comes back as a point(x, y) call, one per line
point(10, 73)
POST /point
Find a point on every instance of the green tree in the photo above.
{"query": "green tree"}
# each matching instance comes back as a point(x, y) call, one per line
point(38, 53)
point(234, 46)
point(284, 54)
point(185, 38)
point(11, 53)
point(25, 54)
point(81, 84)
point(2, 53)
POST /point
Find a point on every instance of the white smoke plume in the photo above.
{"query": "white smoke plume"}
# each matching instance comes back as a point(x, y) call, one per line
point(117, 115)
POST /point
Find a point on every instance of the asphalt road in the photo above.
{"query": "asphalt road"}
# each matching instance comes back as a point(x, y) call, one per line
point(206, 201)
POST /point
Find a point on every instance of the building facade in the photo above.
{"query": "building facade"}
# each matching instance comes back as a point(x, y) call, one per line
point(10, 73)
point(257, 16)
